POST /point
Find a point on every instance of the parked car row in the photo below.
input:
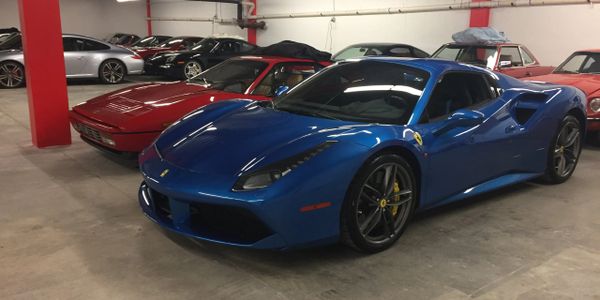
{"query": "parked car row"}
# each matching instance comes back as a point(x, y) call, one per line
point(280, 147)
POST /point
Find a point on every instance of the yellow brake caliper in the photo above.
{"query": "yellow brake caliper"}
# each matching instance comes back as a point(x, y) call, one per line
point(395, 198)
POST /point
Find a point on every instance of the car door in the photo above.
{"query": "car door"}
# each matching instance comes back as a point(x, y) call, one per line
point(510, 62)
point(461, 157)
point(76, 57)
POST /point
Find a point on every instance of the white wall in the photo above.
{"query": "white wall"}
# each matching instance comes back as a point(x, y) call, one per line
point(551, 32)
point(427, 31)
point(192, 9)
point(96, 18)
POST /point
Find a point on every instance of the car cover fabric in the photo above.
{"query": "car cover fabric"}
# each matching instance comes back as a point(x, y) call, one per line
point(479, 35)
point(293, 49)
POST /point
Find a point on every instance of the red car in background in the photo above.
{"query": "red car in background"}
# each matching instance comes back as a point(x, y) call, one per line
point(508, 58)
point(128, 120)
point(581, 70)
point(173, 44)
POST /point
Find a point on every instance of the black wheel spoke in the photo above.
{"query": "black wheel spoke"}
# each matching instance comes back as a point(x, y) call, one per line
point(371, 221)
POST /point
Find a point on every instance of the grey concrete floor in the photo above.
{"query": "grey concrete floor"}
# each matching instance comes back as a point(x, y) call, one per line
point(70, 228)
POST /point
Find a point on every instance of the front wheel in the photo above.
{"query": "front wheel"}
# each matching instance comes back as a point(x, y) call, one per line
point(12, 75)
point(564, 151)
point(191, 69)
point(112, 72)
point(379, 204)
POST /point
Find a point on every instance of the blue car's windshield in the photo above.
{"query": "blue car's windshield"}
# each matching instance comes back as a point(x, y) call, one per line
point(364, 91)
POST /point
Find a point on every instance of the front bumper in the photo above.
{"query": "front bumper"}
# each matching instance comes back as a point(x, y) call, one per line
point(270, 218)
point(593, 123)
point(108, 138)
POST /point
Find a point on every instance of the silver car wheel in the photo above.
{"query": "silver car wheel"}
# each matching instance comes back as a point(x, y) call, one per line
point(192, 69)
point(112, 72)
point(11, 75)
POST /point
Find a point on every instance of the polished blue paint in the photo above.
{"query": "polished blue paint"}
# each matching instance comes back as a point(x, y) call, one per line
point(469, 153)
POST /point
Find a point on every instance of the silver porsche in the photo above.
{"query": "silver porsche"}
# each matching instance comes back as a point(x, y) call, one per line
point(85, 57)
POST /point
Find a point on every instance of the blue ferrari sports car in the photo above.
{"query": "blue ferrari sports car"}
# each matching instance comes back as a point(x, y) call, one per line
point(352, 152)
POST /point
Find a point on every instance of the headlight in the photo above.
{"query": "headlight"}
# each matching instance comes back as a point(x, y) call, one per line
point(595, 105)
point(265, 176)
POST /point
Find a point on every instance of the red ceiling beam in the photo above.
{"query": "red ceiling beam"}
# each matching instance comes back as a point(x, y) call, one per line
point(480, 17)
point(252, 31)
point(45, 72)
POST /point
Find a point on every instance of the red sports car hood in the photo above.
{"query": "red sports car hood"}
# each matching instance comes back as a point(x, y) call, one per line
point(149, 107)
point(588, 83)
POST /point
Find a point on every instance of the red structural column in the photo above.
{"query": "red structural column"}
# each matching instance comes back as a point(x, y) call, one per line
point(252, 31)
point(148, 16)
point(45, 72)
point(480, 17)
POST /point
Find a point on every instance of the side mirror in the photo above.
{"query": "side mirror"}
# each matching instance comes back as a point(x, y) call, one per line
point(505, 64)
point(281, 90)
point(461, 118)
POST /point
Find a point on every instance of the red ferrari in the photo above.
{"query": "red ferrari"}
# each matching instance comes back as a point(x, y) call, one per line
point(581, 70)
point(128, 120)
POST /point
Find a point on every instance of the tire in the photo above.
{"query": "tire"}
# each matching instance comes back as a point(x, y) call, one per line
point(12, 75)
point(191, 69)
point(370, 222)
point(112, 71)
point(564, 151)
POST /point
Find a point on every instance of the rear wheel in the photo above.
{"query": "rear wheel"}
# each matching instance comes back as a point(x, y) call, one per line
point(564, 151)
point(379, 204)
point(12, 75)
point(191, 69)
point(112, 72)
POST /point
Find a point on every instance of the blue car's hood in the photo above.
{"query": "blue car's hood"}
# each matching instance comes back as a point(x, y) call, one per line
point(230, 140)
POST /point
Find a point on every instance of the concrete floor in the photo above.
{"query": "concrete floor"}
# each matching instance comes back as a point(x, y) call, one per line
point(71, 229)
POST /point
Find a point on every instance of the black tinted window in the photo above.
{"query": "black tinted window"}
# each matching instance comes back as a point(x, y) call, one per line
point(457, 91)
point(232, 75)
point(77, 44)
point(364, 91)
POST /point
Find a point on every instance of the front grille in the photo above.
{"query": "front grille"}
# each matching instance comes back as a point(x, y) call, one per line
point(226, 223)
point(89, 132)
point(161, 206)
point(217, 222)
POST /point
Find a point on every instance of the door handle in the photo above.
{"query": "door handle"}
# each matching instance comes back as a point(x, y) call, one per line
point(511, 128)
point(528, 73)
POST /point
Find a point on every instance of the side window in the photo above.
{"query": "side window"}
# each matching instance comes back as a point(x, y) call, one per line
point(591, 65)
point(229, 47)
point(90, 45)
point(527, 57)
point(68, 44)
point(285, 74)
point(511, 54)
point(457, 91)
point(246, 47)
point(401, 52)
point(419, 53)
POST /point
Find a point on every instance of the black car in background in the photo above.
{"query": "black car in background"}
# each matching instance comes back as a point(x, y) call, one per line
point(379, 49)
point(203, 55)
point(150, 41)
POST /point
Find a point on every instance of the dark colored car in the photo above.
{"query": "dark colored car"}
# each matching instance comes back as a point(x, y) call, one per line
point(203, 55)
point(123, 39)
point(507, 58)
point(179, 43)
point(379, 49)
point(150, 41)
